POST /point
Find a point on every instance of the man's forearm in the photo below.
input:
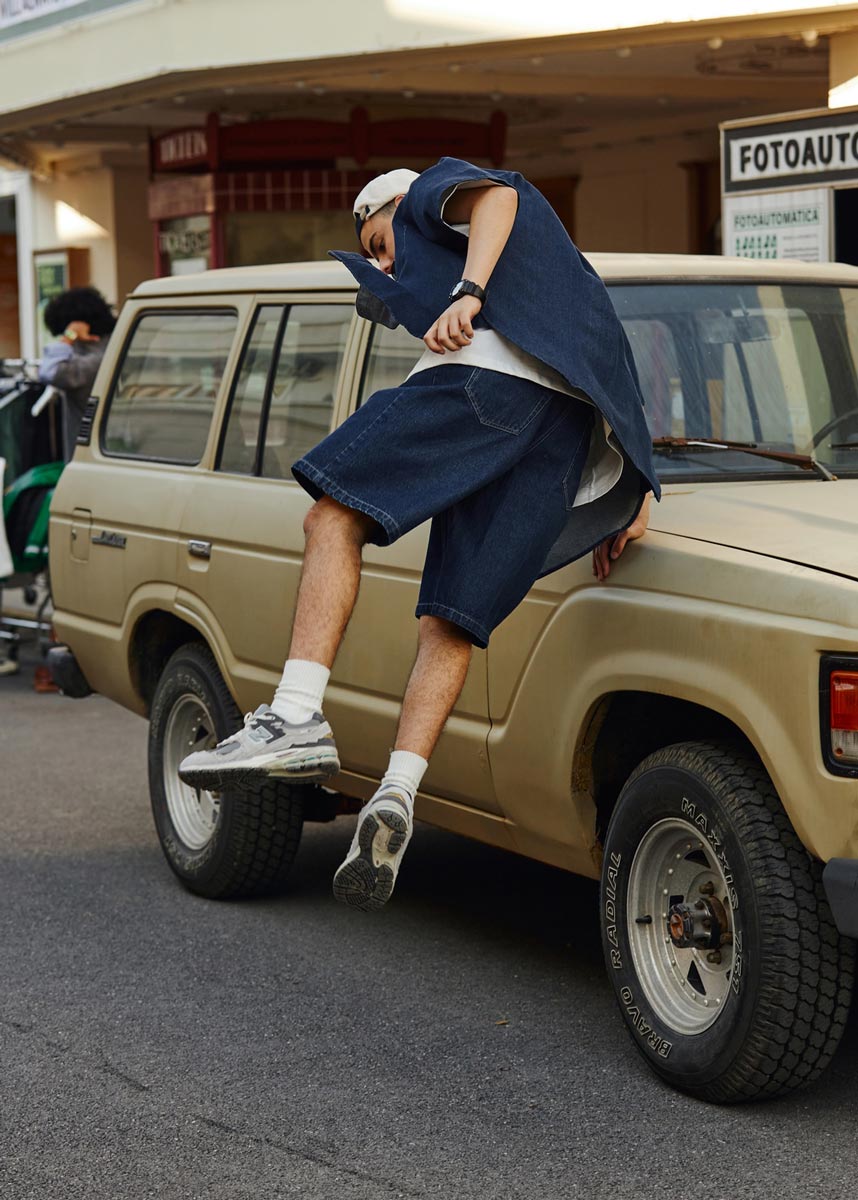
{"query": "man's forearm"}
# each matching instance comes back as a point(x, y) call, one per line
point(490, 212)
point(492, 217)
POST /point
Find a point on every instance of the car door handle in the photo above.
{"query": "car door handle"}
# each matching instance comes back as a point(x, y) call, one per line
point(199, 549)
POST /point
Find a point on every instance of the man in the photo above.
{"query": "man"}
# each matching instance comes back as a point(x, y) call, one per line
point(520, 432)
point(82, 320)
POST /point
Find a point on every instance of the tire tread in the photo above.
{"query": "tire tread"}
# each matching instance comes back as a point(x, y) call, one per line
point(266, 820)
point(805, 990)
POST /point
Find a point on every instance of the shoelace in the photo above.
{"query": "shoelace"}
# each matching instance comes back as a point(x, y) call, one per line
point(248, 717)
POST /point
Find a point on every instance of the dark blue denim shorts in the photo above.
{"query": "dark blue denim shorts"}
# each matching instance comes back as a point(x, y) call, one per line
point(492, 459)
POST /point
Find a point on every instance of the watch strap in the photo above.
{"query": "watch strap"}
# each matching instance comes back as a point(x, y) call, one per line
point(465, 287)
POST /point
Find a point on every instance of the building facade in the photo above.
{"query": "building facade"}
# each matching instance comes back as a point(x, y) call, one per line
point(146, 136)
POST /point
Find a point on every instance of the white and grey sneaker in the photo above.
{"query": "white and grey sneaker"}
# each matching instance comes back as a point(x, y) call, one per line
point(367, 877)
point(266, 746)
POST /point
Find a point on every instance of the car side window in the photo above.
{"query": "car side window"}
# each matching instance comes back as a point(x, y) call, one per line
point(163, 396)
point(241, 435)
point(391, 356)
point(301, 408)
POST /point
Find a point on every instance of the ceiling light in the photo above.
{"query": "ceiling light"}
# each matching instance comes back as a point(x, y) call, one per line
point(715, 43)
point(810, 37)
point(537, 60)
point(624, 52)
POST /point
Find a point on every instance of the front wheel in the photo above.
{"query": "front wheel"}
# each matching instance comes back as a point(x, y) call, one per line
point(220, 844)
point(729, 971)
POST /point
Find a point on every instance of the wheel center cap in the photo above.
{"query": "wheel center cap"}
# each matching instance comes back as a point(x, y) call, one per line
point(700, 924)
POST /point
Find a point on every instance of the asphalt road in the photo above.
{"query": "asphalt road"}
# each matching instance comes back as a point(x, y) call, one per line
point(462, 1043)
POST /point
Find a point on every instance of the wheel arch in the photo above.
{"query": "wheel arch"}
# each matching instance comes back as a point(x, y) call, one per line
point(157, 634)
point(624, 727)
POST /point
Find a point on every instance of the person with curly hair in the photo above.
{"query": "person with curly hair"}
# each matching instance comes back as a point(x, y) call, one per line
point(82, 320)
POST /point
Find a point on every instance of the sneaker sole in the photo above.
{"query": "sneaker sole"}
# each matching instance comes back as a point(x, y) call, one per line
point(359, 882)
point(313, 768)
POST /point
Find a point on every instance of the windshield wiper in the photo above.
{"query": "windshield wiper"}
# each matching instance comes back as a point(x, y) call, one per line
point(805, 461)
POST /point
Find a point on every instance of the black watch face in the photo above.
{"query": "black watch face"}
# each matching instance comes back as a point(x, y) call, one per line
point(458, 287)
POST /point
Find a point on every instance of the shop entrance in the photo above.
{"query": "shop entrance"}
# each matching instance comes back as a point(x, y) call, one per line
point(10, 341)
point(846, 225)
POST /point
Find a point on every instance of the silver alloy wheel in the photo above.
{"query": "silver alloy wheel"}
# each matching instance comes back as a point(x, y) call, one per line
point(687, 987)
point(194, 812)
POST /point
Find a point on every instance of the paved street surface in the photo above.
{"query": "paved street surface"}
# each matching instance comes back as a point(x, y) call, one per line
point(461, 1044)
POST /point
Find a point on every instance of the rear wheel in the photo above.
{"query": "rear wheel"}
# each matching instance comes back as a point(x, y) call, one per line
point(729, 971)
point(220, 845)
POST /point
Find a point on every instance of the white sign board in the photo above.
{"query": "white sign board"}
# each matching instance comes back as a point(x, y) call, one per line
point(778, 225)
point(13, 12)
point(794, 153)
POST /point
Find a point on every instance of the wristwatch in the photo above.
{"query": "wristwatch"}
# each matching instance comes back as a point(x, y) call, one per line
point(465, 288)
point(71, 335)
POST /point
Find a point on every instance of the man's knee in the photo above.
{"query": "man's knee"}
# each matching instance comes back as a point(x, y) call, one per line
point(329, 518)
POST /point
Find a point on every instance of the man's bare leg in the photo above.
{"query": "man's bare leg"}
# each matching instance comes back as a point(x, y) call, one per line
point(367, 877)
point(290, 739)
point(335, 538)
point(436, 681)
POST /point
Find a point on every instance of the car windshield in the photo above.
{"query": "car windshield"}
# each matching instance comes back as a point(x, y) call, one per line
point(768, 364)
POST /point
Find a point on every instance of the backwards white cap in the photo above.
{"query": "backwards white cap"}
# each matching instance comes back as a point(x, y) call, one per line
point(381, 191)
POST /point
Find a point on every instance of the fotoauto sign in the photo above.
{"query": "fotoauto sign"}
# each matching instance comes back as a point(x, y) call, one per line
point(781, 154)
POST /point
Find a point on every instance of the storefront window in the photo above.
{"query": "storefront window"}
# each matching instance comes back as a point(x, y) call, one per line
point(185, 245)
point(252, 239)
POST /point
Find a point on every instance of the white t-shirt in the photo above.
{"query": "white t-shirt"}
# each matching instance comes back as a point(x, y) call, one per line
point(488, 349)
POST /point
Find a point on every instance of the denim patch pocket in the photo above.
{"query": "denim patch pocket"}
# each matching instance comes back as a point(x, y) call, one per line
point(505, 402)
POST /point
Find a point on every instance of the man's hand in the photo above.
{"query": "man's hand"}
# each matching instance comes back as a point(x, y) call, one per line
point(79, 331)
point(611, 549)
point(453, 329)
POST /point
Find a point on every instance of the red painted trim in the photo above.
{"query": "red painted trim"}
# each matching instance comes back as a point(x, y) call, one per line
point(217, 241)
point(159, 262)
point(213, 140)
point(276, 144)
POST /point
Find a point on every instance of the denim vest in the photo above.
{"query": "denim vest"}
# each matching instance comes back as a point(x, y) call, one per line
point(543, 296)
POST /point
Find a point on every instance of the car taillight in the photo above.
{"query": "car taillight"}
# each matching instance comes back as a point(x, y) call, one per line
point(843, 688)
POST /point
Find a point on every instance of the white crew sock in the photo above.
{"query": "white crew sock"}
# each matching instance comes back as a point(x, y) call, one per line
point(299, 693)
point(404, 771)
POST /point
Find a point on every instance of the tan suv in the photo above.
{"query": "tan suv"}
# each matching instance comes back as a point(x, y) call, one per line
point(687, 730)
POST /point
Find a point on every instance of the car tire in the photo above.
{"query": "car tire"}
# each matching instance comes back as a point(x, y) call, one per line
point(699, 851)
point(235, 844)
